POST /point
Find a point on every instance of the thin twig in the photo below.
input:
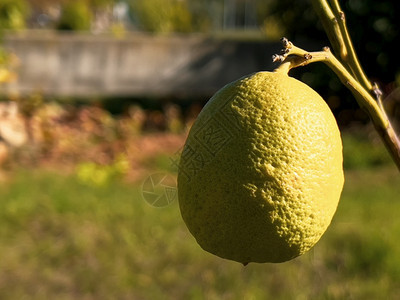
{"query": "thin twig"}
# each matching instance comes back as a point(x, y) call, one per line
point(350, 59)
point(331, 26)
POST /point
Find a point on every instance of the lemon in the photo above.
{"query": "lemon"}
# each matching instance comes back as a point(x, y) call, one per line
point(261, 174)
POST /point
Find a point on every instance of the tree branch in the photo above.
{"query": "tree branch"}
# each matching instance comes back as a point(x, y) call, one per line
point(334, 22)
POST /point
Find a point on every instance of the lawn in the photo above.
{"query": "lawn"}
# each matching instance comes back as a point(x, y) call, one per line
point(63, 239)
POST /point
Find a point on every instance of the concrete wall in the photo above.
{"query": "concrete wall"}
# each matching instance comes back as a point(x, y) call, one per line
point(138, 65)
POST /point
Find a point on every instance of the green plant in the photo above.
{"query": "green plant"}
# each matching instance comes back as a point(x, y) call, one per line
point(94, 174)
point(13, 14)
point(360, 151)
point(164, 16)
point(75, 15)
point(8, 62)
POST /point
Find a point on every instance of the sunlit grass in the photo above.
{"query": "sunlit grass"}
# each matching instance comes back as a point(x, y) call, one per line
point(61, 239)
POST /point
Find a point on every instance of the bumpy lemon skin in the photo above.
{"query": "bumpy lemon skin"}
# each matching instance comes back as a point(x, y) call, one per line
point(261, 174)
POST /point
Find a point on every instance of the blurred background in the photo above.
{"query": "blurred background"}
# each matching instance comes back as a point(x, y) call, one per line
point(96, 99)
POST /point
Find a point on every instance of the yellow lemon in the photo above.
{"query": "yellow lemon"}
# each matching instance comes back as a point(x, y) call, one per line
point(261, 174)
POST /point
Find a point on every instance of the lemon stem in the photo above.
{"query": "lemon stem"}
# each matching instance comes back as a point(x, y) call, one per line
point(292, 57)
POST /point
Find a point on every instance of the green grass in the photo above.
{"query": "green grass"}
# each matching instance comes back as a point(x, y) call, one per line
point(60, 239)
point(363, 150)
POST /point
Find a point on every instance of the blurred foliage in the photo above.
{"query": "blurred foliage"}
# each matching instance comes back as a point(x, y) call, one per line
point(272, 28)
point(61, 239)
point(363, 149)
point(76, 15)
point(101, 3)
point(30, 104)
point(200, 16)
point(163, 15)
point(94, 174)
point(8, 62)
point(49, 3)
point(13, 14)
point(118, 30)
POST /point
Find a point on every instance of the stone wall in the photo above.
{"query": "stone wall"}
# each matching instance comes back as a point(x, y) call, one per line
point(76, 65)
